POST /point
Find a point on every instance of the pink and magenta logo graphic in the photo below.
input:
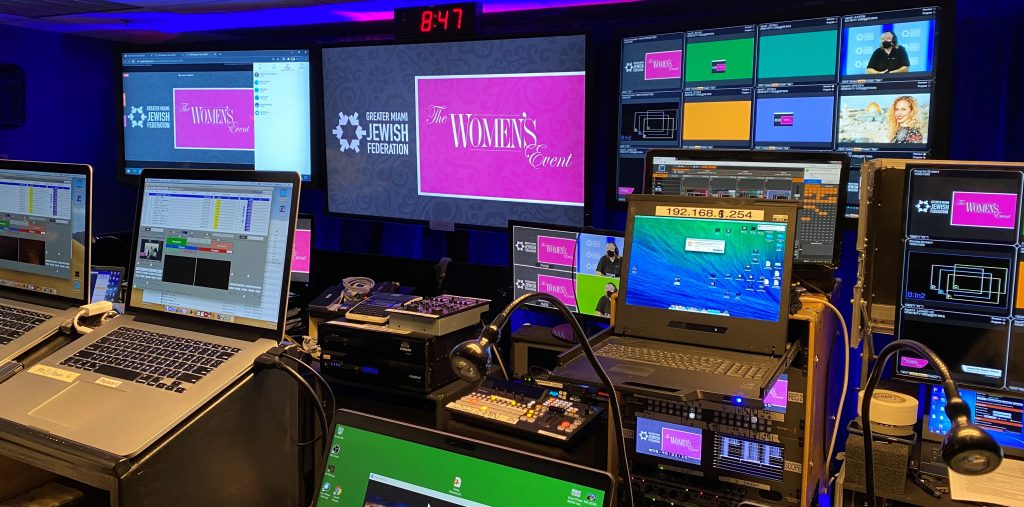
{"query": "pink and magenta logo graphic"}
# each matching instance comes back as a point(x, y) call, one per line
point(214, 119)
point(681, 443)
point(778, 396)
point(300, 252)
point(561, 288)
point(560, 251)
point(663, 65)
point(913, 362)
point(513, 137)
point(983, 209)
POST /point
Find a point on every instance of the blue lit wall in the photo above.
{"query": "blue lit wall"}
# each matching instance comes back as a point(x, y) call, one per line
point(71, 114)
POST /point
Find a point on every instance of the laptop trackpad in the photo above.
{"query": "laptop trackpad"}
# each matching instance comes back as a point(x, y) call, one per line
point(77, 404)
point(629, 369)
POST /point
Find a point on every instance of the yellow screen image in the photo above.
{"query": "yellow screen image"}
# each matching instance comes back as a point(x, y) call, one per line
point(716, 121)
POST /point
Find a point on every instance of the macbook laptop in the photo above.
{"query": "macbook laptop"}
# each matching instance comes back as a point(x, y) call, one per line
point(704, 299)
point(45, 231)
point(206, 296)
point(379, 462)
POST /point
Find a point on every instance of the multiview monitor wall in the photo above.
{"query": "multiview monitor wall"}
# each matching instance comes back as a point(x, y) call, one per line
point(217, 110)
point(861, 84)
point(476, 132)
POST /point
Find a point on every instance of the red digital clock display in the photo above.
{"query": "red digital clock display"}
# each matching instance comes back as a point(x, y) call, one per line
point(440, 20)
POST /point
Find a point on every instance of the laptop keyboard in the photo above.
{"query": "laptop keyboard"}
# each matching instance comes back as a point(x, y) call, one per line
point(15, 322)
point(701, 364)
point(167, 362)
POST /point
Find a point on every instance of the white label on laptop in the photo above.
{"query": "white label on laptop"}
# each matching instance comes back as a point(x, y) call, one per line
point(54, 373)
point(720, 213)
point(109, 382)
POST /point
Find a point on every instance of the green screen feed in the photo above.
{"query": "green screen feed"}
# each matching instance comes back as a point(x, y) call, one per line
point(369, 469)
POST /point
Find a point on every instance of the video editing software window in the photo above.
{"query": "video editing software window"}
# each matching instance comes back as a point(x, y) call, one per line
point(217, 110)
point(213, 249)
point(816, 184)
point(714, 266)
point(962, 294)
point(43, 232)
point(826, 84)
point(574, 267)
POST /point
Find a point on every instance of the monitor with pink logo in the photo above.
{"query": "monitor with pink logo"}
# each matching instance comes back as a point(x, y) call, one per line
point(302, 253)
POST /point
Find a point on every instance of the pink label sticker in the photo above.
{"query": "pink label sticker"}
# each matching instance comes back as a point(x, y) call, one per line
point(561, 288)
point(983, 209)
point(214, 119)
point(300, 252)
point(779, 394)
point(626, 190)
point(913, 362)
point(681, 443)
point(512, 137)
point(663, 65)
point(560, 251)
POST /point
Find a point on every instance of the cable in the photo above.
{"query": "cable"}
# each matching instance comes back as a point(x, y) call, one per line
point(846, 378)
point(320, 379)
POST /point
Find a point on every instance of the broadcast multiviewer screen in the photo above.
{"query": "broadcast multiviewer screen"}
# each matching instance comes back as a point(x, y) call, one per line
point(472, 132)
point(962, 292)
point(217, 110)
point(862, 84)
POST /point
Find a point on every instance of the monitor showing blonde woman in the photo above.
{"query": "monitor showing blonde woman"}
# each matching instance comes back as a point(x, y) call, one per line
point(903, 121)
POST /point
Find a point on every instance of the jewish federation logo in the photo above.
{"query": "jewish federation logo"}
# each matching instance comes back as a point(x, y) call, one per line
point(141, 117)
point(355, 132)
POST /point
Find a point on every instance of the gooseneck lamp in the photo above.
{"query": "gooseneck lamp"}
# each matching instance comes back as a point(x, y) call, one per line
point(471, 360)
point(966, 448)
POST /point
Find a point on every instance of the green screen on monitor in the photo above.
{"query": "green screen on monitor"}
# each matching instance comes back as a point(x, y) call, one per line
point(818, 51)
point(366, 469)
point(721, 60)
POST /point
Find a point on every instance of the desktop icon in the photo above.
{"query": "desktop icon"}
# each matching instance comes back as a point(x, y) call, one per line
point(457, 482)
point(335, 450)
point(326, 487)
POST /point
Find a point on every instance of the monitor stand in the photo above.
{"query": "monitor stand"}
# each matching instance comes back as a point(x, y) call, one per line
point(564, 332)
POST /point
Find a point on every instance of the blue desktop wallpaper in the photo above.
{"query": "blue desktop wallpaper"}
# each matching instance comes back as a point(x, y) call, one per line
point(741, 280)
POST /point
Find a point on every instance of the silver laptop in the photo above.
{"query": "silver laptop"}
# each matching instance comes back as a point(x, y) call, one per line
point(207, 292)
point(45, 228)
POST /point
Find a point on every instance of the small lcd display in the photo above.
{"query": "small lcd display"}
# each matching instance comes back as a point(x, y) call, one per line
point(669, 441)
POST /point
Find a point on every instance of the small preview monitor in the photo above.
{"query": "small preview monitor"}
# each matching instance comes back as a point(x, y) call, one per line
point(709, 272)
point(105, 284)
point(377, 462)
point(302, 249)
point(469, 132)
point(217, 110)
point(962, 293)
point(581, 269)
point(817, 180)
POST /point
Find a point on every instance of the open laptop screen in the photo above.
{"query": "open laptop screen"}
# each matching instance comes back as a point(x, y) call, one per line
point(213, 249)
point(43, 232)
point(374, 468)
point(731, 268)
point(105, 284)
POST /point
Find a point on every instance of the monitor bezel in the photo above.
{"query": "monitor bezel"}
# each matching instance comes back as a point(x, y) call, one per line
point(755, 156)
point(588, 145)
point(513, 458)
point(213, 325)
point(315, 170)
point(729, 333)
point(79, 170)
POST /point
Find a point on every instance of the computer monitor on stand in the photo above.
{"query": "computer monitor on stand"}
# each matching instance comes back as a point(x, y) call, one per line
point(580, 268)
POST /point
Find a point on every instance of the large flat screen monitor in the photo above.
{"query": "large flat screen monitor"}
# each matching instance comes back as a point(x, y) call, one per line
point(217, 110)
point(475, 132)
point(962, 292)
point(860, 83)
point(817, 180)
point(581, 269)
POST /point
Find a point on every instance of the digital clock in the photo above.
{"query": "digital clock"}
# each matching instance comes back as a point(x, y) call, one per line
point(437, 20)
